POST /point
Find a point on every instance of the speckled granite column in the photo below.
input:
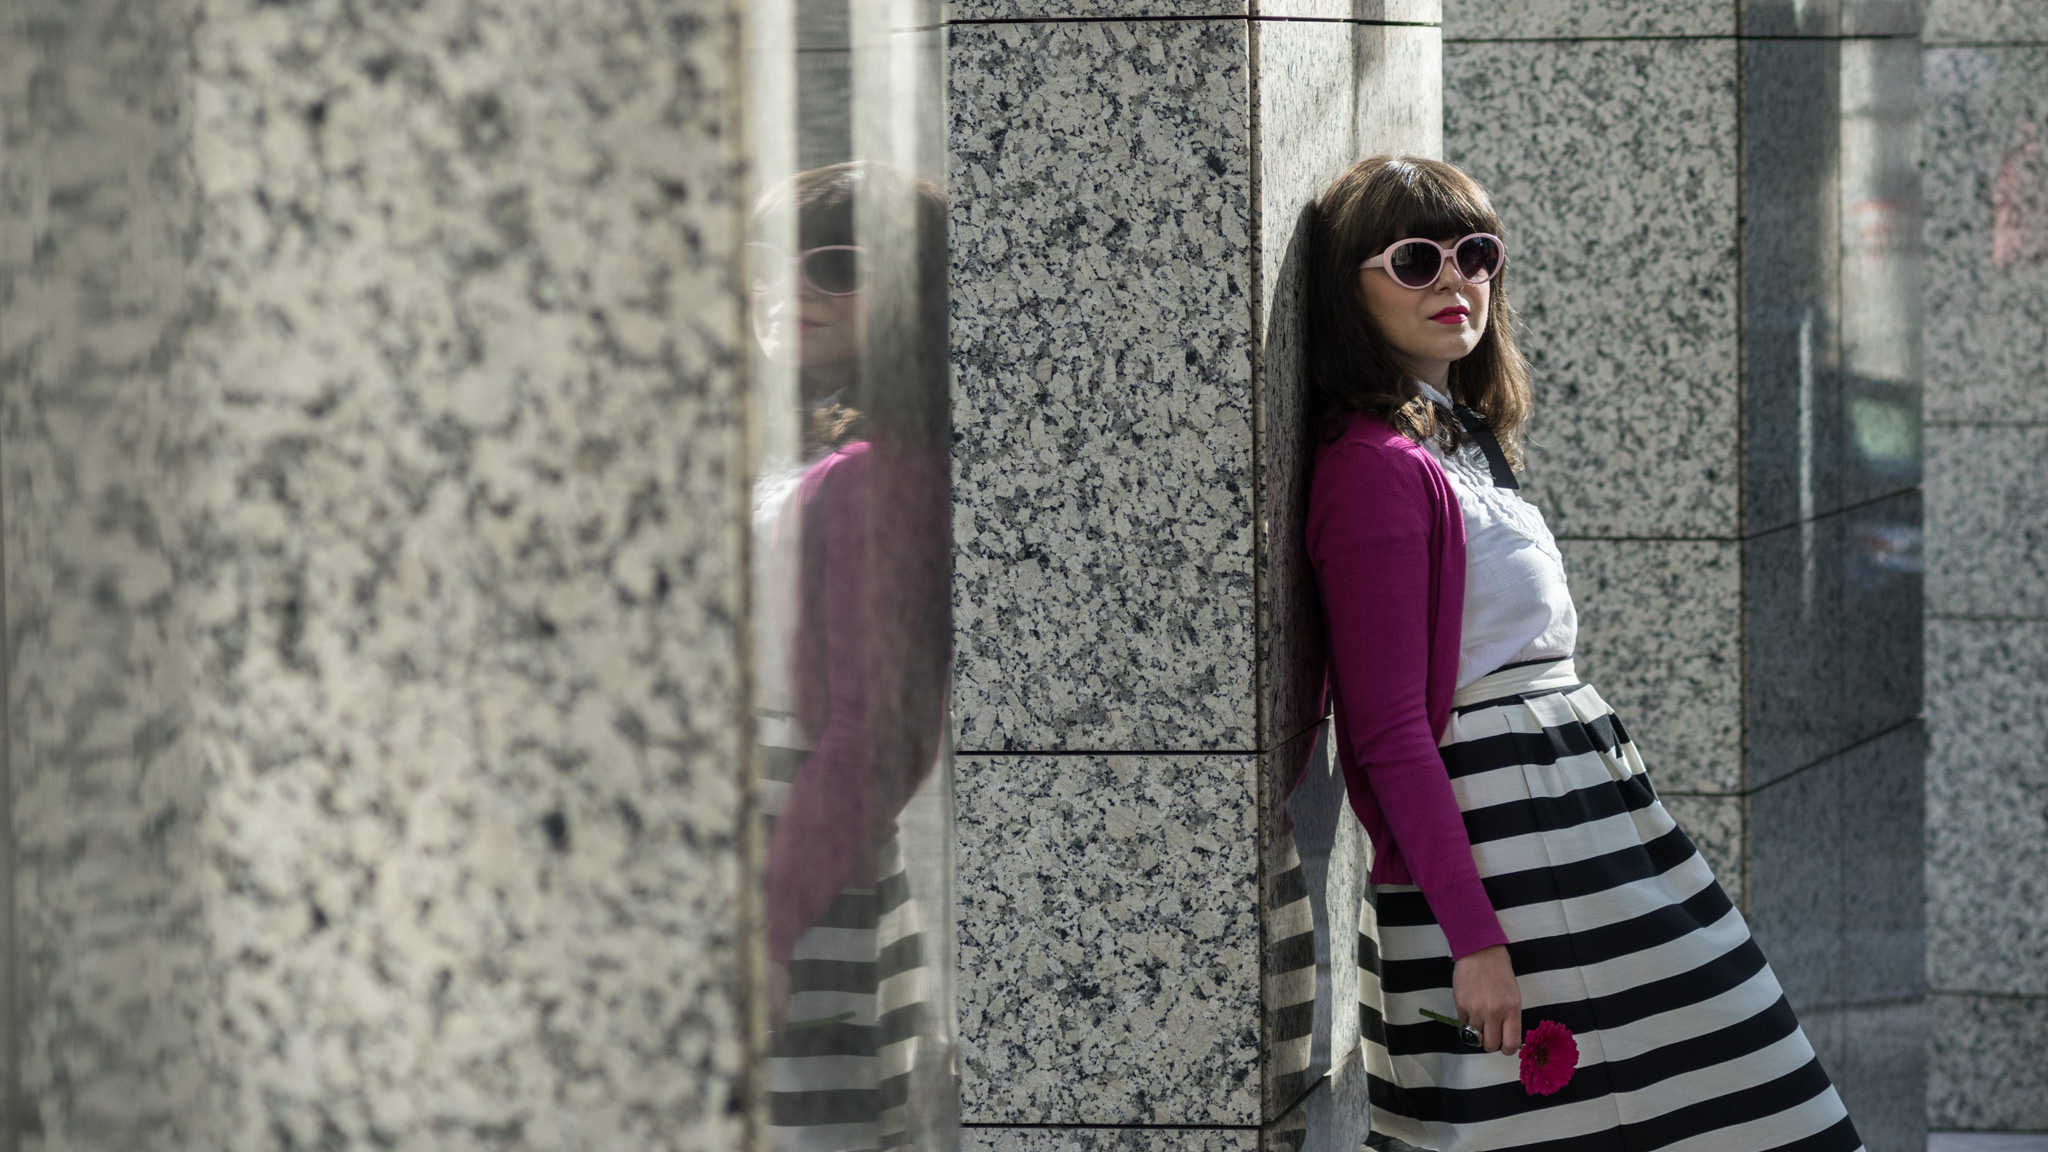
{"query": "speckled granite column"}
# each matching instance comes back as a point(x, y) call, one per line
point(1714, 208)
point(1987, 556)
point(1128, 186)
point(374, 508)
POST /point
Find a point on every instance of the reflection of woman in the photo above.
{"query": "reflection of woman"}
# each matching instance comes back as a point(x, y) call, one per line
point(854, 553)
point(1524, 869)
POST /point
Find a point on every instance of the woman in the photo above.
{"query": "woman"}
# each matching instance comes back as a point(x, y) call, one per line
point(852, 650)
point(1524, 869)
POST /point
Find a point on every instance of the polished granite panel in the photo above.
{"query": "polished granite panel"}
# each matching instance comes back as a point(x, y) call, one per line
point(1101, 281)
point(1569, 19)
point(1108, 912)
point(1832, 17)
point(1791, 276)
point(339, 663)
point(1303, 832)
point(1714, 825)
point(1390, 11)
point(1974, 21)
point(1882, 650)
point(1883, 257)
point(1108, 1140)
point(1333, 1116)
point(1660, 626)
point(1984, 1066)
point(1613, 164)
point(1987, 541)
point(1987, 874)
point(1795, 854)
point(1328, 94)
point(1792, 590)
point(1308, 133)
point(1986, 147)
point(1791, 18)
point(1882, 1074)
point(1884, 858)
point(1884, 18)
point(109, 950)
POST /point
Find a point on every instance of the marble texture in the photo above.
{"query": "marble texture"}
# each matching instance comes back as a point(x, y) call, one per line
point(1987, 820)
point(374, 576)
point(1102, 255)
point(1794, 883)
point(1108, 928)
point(1984, 1069)
point(1714, 824)
point(1590, 148)
point(1882, 1075)
point(1660, 636)
point(1884, 865)
point(1108, 1140)
point(1986, 144)
point(1984, 20)
point(1569, 19)
point(1987, 541)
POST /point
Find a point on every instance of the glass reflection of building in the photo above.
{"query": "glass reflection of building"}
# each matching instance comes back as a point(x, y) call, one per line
point(852, 554)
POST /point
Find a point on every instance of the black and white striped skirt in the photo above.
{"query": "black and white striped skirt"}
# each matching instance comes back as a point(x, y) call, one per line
point(840, 1066)
point(1617, 930)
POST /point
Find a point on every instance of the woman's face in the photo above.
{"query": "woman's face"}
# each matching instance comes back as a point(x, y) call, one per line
point(1427, 328)
point(797, 324)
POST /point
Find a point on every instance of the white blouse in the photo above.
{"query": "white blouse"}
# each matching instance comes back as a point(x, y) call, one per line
point(1517, 607)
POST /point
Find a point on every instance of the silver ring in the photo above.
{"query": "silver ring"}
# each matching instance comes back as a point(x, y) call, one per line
point(1470, 1036)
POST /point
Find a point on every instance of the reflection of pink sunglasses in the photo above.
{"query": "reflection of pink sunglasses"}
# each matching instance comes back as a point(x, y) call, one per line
point(1416, 263)
point(833, 269)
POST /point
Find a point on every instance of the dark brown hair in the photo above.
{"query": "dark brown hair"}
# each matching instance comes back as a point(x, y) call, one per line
point(902, 387)
point(1350, 366)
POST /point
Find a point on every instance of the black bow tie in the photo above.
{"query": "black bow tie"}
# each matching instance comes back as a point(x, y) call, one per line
point(1496, 460)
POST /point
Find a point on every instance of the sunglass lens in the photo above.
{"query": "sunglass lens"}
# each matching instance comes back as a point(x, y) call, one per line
point(834, 271)
point(1479, 257)
point(1415, 263)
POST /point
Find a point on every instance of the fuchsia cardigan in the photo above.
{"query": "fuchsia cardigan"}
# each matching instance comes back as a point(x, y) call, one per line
point(1388, 545)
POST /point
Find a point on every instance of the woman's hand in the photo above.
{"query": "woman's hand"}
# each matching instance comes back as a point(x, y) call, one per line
point(1488, 999)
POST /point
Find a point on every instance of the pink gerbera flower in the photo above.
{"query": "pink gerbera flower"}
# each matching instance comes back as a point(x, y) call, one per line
point(1549, 1057)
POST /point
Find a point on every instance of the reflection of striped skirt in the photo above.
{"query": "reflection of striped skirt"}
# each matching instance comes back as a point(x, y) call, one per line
point(840, 1069)
point(1617, 930)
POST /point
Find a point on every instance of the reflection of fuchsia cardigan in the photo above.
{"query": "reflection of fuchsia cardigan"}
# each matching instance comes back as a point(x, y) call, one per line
point(1388, 544)
point(868, 661)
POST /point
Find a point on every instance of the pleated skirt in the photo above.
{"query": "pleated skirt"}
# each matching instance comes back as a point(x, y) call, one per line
point(1617, 929)
point(840, 1066)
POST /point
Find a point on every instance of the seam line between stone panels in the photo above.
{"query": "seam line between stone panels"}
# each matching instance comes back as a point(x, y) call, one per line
point(969, 21)
point(1703, 37)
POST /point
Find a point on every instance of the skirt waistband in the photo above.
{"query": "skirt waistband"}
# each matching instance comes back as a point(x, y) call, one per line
point(1519, 681)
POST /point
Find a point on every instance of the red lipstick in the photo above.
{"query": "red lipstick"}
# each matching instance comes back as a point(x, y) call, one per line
point(1455, 314)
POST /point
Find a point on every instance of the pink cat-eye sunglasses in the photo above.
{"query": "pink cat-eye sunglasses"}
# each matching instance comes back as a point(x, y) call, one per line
point(1416, 263)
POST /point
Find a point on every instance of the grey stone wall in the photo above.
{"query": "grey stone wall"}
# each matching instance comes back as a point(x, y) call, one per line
point(1128, 184)
point(1713, 208)
point(1987, 557)
point(371, 446)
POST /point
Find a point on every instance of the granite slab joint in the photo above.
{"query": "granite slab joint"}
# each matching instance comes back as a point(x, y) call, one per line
point(1184, 18)
point(1835, 754)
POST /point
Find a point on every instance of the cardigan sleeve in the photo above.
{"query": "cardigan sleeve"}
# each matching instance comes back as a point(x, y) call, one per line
point(1373, 535)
